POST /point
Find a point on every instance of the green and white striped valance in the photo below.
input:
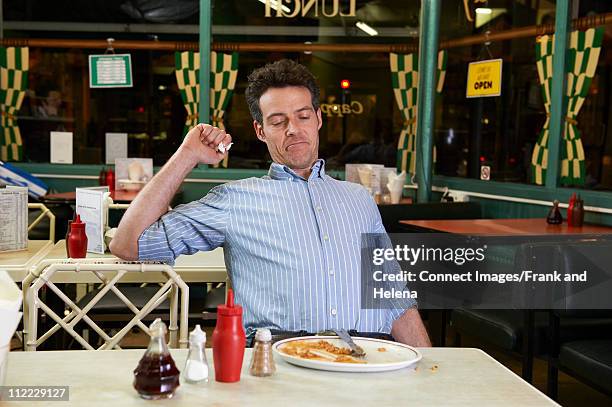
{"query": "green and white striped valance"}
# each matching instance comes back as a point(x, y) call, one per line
point(583, 55)
point(14, 62)
point(223, 74)
point(405, 81)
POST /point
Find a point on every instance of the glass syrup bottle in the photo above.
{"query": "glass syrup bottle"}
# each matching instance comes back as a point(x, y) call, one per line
point(156, 376)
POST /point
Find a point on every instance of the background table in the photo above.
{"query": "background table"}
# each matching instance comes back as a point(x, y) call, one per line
point(119, 196)
point(463, 377)
point(202, 267)
point(522, 226)
point(17, 263)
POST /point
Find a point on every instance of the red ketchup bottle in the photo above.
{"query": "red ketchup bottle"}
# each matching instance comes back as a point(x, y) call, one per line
point(228, 341)
point(110, 179)
point(77, 239)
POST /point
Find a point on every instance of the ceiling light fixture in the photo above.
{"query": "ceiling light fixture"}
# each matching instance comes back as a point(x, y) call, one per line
point(274, 5)
point(483, 10)
point(366, 28)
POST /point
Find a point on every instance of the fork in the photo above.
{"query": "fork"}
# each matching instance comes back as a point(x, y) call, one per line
point(356, 350)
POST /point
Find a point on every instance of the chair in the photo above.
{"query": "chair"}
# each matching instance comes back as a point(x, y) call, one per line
point(109, 272)
point(35, 223)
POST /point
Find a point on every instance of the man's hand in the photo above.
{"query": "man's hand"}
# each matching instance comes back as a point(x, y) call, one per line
point(200, 144)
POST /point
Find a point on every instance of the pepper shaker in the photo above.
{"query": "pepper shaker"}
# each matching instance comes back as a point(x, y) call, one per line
point(262, 362)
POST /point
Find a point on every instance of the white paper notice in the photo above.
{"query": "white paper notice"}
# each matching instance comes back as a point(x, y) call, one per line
point(116, 146)
point(13, 218)
point(61, 147)
point(90, 207)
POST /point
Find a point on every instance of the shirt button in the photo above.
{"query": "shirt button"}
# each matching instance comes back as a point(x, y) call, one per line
point(325, 237)
point(331, 272)
point(319, 208)
point(334, 312)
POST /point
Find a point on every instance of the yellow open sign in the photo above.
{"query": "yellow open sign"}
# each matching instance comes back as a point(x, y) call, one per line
point(484, 78)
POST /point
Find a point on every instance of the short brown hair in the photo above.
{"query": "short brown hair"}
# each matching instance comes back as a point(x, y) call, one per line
point(279, 74)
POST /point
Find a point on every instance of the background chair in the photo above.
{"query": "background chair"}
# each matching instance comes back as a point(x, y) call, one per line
point(109, 272)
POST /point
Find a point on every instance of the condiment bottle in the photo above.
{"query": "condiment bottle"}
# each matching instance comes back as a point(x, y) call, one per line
point(156, 376)
point(68, 234)
point(578, 212)
point(229, 341)
point(110, 179)
point(554, 216)
point(77, 239)
point(102, 176)
point(196, 366)
point(570, 210)
point(262, 361)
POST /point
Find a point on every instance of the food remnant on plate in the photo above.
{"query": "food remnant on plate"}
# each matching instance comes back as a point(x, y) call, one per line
point(434, 368)
point(319, 350)
point(382, 349)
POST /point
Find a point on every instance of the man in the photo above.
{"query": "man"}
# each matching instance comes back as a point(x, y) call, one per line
point(291, 239)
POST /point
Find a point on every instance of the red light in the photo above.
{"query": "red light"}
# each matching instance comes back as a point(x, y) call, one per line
point(483, 158)
point(345, 84)
point(140, 109)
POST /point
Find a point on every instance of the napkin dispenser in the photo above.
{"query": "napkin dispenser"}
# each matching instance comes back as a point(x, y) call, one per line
point(10, 303)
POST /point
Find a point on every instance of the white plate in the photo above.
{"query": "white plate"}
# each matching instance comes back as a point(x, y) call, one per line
point(396, 356)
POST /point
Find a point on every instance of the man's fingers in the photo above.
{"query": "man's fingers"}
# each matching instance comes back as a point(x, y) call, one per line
point(205, 131)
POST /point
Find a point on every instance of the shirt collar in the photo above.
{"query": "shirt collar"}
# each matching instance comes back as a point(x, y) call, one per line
point(280, 171)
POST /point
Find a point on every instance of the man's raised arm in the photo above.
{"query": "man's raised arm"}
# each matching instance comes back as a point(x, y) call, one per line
point(199, 146)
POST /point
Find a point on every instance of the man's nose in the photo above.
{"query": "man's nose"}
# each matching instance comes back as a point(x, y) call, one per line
point(292, 127)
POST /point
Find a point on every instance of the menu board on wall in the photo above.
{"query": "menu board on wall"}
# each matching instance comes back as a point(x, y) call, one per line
point(13, 218)
point(110, 71)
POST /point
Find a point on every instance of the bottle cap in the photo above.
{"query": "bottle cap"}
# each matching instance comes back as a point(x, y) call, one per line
point(229, 309)
point(157, 327)
point(77, 223)
point(263, 335)
point(197, 336)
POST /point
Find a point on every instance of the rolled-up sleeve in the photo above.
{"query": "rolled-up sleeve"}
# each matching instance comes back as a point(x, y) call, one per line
point(197, 226)
point(399, 305)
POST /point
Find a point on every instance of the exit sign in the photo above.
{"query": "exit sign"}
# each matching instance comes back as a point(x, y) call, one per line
point(110, 71)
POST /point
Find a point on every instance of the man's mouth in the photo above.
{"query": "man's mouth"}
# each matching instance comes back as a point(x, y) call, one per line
point(294, 145)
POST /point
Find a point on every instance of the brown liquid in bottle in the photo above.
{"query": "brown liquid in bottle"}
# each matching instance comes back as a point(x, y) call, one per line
point(156, 376)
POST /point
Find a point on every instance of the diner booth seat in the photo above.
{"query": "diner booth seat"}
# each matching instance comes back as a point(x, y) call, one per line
point(527, 330)
point(392, 214)
point(587, 359)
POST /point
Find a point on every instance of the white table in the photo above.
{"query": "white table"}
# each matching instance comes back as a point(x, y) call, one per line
point(464, 377)
point(18, 262)
point(202, 267)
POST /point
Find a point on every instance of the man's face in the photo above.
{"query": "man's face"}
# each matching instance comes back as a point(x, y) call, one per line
point(290, 126)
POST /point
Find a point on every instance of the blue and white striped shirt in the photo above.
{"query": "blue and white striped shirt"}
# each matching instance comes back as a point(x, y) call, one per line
point(292, 248)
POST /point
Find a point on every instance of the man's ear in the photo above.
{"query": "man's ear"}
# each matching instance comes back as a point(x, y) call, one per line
point(319, 118)
point(259, 131)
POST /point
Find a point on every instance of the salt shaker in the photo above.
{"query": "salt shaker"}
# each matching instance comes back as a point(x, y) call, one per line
point(196, 366)
point(262, 362)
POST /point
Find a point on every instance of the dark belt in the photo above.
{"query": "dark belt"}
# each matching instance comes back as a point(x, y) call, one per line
point(278, 335)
